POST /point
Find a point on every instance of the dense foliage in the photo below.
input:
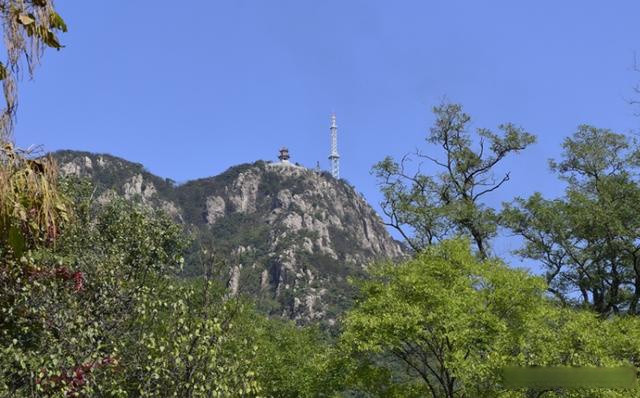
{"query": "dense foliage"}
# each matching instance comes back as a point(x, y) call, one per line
point(102, 313)
point(450, 323)
point(589, 240)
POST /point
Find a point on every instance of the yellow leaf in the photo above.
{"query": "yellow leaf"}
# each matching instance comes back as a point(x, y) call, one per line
point(25, 19)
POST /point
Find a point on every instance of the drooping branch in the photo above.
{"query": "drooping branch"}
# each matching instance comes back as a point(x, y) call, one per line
point(29, 26)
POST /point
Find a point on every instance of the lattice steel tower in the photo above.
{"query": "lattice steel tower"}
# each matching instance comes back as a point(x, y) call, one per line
point(334, 157)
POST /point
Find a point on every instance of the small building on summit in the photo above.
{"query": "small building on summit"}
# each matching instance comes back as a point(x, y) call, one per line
point(284, 155)
point(334, 157)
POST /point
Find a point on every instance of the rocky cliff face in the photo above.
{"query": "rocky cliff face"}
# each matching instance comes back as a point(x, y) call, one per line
point(290, 236)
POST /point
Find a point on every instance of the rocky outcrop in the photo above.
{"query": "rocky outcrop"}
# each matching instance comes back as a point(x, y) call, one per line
point(306, 231)
point(216, 208)
point(244, 192)
point(114, 176)
point(136, 186)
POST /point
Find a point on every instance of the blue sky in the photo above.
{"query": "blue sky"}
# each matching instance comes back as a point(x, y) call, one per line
point(192, 88)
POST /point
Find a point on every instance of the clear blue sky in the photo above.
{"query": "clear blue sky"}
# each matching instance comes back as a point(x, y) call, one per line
point(191, 88)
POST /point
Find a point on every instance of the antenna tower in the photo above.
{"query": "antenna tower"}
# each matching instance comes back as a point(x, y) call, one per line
point(334, 157)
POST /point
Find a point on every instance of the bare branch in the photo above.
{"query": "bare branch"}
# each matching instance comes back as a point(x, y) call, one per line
point(504, 179)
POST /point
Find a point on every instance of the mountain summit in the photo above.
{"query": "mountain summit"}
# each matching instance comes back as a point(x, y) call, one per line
point(290, 236)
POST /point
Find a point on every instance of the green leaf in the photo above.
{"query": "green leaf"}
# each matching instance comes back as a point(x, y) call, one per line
point(16, 241)
point(50, 39)
point(57, 22)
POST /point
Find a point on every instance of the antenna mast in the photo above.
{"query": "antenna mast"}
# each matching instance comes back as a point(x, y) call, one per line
point(334, 157)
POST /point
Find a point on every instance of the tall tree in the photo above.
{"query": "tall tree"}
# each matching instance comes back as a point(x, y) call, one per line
point(589, 240)
point(428, 208)
point(29, 26)
point(451, 322)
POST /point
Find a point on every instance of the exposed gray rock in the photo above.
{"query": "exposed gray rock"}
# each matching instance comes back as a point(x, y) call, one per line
point(234, 280)
point(171, 209)
point(106, 196)
point(137, 186)
point(243, 192)
point(216, 208)
point(71, 168)
point(88, 163)
point(264, 279)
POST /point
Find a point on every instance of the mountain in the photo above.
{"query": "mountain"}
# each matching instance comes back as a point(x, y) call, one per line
point(290, 236)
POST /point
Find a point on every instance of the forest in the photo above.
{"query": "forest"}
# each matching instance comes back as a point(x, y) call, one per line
point(93, 302)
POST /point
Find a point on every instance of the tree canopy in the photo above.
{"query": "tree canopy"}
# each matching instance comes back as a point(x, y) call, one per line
point(427, 208)
point(449, 323)
point(588, 240)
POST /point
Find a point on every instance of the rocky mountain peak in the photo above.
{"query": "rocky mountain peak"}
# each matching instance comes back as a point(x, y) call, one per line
point(290, 235)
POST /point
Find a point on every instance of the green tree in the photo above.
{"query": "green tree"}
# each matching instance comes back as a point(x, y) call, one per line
point(449, 323)
point(588, 240)
point(428, 208)
point(101, 312)
point(291, 361)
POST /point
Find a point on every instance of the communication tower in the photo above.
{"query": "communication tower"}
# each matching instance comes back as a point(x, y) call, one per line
point(334, 157)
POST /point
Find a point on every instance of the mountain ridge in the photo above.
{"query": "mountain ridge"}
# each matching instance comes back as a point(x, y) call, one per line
point(291, 236)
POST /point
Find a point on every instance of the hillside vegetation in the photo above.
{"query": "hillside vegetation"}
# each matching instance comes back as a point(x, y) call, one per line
point(284, 235)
